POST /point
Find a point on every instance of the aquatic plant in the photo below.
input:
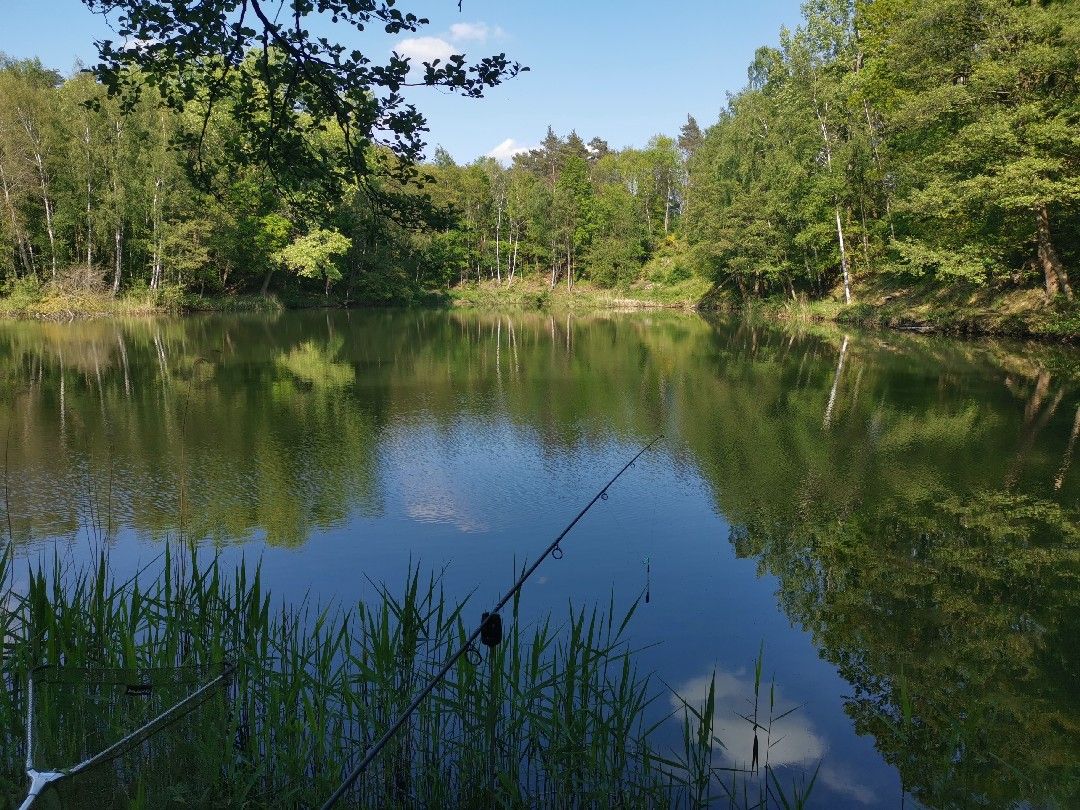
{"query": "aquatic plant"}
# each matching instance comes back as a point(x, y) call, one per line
point(552, 716)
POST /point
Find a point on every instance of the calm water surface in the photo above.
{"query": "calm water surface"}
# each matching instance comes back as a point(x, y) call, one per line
point(896, 518)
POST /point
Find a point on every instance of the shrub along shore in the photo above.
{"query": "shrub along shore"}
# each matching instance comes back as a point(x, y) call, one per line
point(974, 311)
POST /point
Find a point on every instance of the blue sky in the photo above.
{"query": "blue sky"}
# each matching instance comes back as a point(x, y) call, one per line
point(620, 69)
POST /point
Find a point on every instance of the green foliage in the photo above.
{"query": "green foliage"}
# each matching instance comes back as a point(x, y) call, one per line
point(21, 293)
point(671, 263)
point(564, 211)
point(918, 258)
point(313, 255)
point(284, 86)
point(934, 142)
point(928, 139)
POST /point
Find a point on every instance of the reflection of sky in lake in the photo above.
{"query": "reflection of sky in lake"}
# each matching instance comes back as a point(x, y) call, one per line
point(472, 468)
point(476, 499)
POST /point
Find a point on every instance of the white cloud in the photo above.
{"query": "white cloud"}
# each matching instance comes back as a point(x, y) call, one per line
point(436, 497)
point(845, 784)
point(425, 49)
point(136, 44)
point(474, 32)
point(794, 741)
point(443, 509)
point(506, 150)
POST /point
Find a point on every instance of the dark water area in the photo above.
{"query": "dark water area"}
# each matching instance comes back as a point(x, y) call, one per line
point(895, 519)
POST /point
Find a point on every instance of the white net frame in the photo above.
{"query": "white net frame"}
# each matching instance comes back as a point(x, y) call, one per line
point(135, 682)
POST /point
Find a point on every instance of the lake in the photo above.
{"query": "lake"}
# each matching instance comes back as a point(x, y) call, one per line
point(893, 518)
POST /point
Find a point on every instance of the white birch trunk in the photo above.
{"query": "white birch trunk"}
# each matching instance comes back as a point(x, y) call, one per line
point(498, 238)
point(89, 200)
point(836, 204)
point(16, 232)
point(118, 249)
point(843, 258)
point(514, 255)
point(118, 228)
point(836, 382)
point(39, 163)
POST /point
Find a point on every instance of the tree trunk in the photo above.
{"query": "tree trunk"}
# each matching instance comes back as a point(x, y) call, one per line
point(554, 263)
point(569, 267)
point(118, 238)
point(1057, 278)
point(118, 230)
point(89, 226)
point(43, 180)
point(266, 282)
point(843, 258)
point(89, 200)
point(156, 272)
point(498, 239)
point(667, 208)
point(16, 232)
point(513, 257)
point(836, 202)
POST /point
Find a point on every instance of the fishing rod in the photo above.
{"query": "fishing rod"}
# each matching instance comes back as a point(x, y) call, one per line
point(490, 629)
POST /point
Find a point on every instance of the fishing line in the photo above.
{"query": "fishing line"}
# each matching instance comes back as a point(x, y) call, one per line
point(626, 533)
point(486, 632)
point(651, 542)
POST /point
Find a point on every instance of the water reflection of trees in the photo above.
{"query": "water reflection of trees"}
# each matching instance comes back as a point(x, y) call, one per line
point(915, 497)
point(923, 526)
point(177, 427)
point(955, 622)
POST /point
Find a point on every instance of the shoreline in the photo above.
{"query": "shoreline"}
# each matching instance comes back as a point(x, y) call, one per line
point(972, 313)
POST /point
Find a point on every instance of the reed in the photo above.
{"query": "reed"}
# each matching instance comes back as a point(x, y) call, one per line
point(554, 716)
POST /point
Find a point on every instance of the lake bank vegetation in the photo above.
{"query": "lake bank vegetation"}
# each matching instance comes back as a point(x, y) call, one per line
point(887, 162)
point(551, 716)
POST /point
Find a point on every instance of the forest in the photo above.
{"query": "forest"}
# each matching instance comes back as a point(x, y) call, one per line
point(888, 142)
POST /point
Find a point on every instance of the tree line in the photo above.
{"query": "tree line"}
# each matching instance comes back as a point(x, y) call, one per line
point(118, 194)
point(931, 143)
point(927, 140)
point(105, 192)
point(565, 210)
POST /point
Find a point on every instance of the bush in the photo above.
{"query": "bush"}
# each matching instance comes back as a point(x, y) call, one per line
point(670, 264)
point(170, 297)
point(22, 293)
point(79, 278)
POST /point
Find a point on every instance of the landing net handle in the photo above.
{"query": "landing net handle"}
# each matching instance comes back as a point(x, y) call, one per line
point(39, 780)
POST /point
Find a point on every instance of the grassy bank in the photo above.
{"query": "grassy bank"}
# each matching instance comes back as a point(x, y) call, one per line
point(553, 716)
point(537, 294)
point(54, 302)
point(29, 299)
point(959, 310)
